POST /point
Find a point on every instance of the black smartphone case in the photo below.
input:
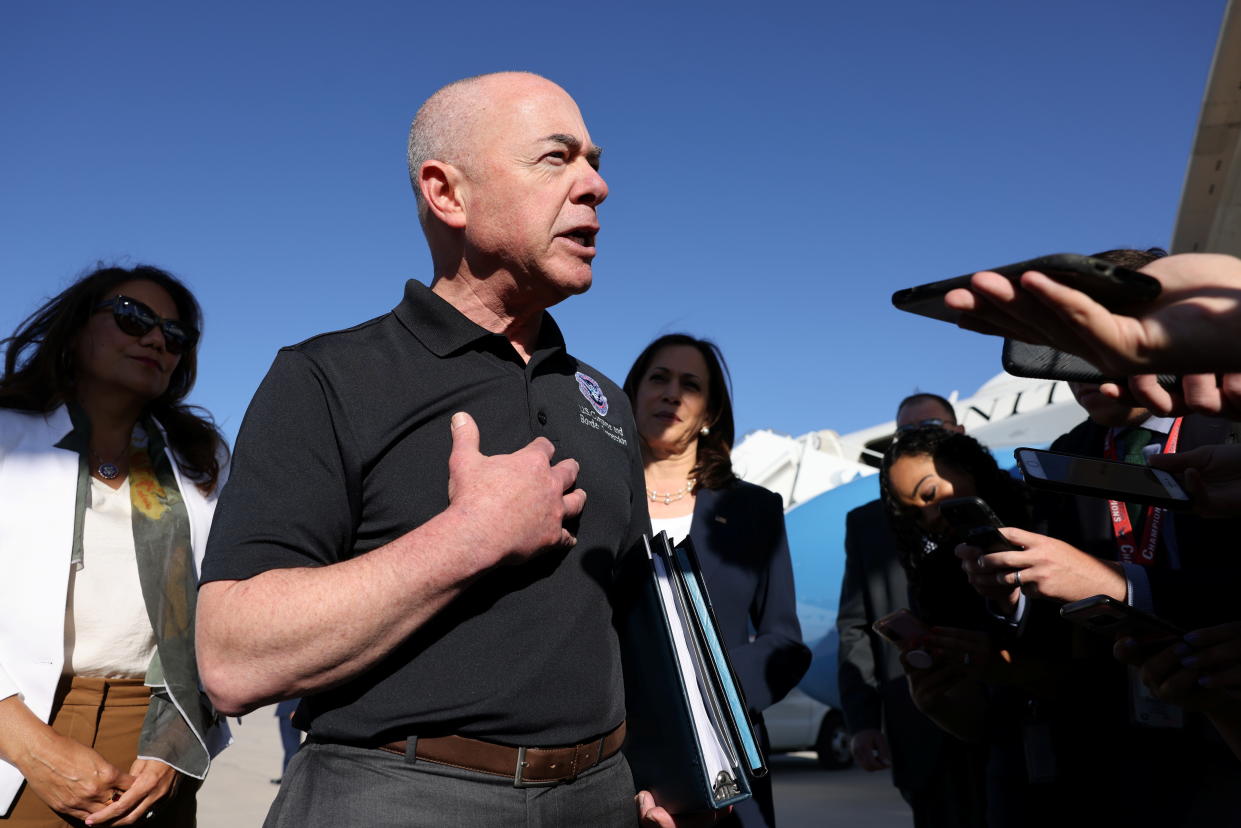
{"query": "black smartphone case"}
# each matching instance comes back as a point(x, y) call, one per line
point(1021, 359)
point(1110, 285)
point(1065, 487)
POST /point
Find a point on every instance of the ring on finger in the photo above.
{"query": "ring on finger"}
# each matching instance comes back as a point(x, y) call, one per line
point(978, 562)
point(1017, 579)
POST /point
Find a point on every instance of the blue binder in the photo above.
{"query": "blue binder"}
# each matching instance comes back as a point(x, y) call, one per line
point(690, 740)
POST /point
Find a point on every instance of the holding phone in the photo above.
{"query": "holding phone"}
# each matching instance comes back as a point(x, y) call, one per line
point(1074, 474)
point(907, 631)
point(1110, 285)
point(1021, 359)
point(1106, 615)
point(976, 524)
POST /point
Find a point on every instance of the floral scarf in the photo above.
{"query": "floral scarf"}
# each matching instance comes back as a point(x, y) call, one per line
point(179, 714)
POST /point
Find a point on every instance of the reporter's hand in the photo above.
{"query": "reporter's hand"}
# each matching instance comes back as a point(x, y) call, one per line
point(1188, 328)
point(1200, 672)
point(982, 578)
point(1049, 568)
point(959, 657)
point(516, 503)
point(651, 814)
point(1211, 475)
point(1216, 395)
point(152, 781)
point(870, 750)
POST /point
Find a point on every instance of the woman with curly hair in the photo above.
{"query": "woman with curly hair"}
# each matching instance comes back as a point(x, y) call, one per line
point(922, 468)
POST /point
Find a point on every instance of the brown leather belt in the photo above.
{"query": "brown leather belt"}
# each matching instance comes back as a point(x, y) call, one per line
point(527, 767)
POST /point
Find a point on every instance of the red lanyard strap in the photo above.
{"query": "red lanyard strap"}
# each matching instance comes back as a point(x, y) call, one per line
point(1122, 526)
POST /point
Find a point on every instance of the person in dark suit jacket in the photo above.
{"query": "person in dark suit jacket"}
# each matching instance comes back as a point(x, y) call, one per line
point(1095, 730)
point(679, 389)
point(886, 729)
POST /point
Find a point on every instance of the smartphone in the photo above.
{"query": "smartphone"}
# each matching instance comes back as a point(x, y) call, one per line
point(1089, 476)
point(902, 628)
point(1021, 359)
point(1111, 285)
point(906, 631)
point(1106, 615)
point(975, 523)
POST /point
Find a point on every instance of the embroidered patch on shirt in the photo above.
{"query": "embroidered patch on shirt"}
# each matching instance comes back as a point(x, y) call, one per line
point(593, 393)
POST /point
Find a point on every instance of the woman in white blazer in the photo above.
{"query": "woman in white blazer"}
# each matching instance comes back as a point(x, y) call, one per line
point(107, 486)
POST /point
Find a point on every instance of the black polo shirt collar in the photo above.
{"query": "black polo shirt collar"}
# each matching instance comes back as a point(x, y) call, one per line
point(444, 330)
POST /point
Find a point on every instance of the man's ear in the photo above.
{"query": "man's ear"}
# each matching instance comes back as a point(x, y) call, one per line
point(442, 189)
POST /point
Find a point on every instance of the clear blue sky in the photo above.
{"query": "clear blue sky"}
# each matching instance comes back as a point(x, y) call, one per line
point(777, 169)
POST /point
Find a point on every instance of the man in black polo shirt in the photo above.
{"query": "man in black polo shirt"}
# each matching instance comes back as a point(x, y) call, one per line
point(439, 595)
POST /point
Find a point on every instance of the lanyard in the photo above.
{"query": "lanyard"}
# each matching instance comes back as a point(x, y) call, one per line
point(1122, 526)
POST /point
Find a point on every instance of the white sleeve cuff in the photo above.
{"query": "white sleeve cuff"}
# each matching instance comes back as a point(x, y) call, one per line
point(1138, 585)
point(1012, 619)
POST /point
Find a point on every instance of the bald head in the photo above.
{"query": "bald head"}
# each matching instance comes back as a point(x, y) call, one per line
point(444, 127)
point(508, 186)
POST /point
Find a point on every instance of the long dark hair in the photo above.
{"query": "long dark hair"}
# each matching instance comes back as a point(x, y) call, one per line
point(39, 370)
point(937, 585)
point(714, 469)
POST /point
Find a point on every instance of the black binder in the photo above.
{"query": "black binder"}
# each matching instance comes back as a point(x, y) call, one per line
point(691, 742)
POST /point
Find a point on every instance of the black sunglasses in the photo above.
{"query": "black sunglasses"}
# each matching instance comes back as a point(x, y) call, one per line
point(136, 319)
point(931, 423)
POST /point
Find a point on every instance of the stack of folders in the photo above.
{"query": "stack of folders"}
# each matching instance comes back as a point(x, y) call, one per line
point(691, 742)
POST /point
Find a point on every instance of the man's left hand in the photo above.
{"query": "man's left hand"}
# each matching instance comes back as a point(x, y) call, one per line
point(1048, 568)
point(652, 814)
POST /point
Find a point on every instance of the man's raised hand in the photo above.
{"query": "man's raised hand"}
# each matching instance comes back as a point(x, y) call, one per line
point(515, 504)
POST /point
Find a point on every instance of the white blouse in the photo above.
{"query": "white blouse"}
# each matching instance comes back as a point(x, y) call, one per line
point(676, 527)
point(107, 631)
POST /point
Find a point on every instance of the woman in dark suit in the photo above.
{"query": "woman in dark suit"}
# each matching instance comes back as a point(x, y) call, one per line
point(679, 390)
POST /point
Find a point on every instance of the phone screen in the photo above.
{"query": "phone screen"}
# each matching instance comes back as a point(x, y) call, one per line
point(1125, 481)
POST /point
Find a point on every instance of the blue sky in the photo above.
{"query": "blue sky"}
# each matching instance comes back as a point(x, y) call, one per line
point(777, 169)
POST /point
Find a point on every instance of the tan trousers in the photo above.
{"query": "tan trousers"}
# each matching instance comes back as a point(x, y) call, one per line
point(107, 715)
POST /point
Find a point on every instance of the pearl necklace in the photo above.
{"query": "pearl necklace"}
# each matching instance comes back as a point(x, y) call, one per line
point(668, 498)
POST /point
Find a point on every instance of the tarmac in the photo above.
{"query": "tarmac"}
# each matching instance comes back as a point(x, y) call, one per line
point(238, 791)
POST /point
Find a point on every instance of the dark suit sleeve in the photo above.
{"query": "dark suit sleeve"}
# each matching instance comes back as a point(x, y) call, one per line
point(859, 688)
point(772, 664)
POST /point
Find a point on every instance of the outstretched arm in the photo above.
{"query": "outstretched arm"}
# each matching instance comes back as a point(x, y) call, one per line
point(1189, 328)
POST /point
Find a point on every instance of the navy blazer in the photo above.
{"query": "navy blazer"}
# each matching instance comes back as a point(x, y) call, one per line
point(738, 534)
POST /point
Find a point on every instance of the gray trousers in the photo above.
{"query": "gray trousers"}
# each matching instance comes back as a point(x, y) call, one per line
point(339, 785)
